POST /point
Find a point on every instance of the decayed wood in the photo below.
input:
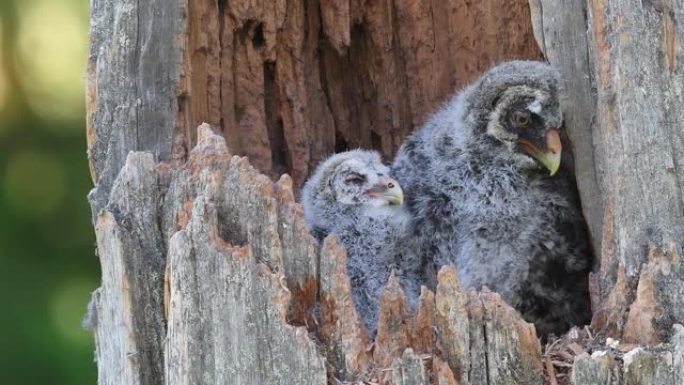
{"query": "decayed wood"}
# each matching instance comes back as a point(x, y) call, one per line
point(344, 335)
point(560, 29)
point(624, 91)
point(451, 316)
point(639, 366)
point(227, 317)
point(209, 274)
point(287, 82)
point(409, 370)
point(234, 254)
point(505, 349)
point(621, 62)
point(227, 308)
point(132, 93)
point(300, 255)
point(126, 312)
point(379, 69)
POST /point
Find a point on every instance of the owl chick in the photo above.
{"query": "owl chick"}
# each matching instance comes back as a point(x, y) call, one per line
point(351, 195)
point(487, 194)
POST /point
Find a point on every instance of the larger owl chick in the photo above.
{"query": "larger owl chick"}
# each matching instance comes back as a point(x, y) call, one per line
point(352, 196)
point(487, 194)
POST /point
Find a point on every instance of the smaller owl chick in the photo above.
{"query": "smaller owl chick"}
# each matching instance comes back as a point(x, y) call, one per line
point(352, 196)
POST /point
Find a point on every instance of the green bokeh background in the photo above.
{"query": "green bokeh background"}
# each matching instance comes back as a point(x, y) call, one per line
point(47, 254)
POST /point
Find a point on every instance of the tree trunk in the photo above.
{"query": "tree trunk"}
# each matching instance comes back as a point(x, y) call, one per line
point(626, 71)
point(209, 275)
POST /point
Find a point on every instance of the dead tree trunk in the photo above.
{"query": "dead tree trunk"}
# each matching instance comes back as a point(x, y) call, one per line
point(625, 91)
point(208, 273)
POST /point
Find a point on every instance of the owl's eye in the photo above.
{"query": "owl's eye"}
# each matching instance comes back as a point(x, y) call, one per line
point(521, 118)
point(356, 179)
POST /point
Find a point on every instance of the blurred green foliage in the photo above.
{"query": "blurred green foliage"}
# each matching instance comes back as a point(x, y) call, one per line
point(47, 262)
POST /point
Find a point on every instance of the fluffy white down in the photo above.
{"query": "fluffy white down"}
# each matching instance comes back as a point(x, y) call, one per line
point(373, 232)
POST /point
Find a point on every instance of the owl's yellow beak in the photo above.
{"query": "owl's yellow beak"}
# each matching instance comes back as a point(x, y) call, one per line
point(550, 156)
point(388, 189)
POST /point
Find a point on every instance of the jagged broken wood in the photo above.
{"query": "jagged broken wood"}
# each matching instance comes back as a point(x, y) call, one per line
point(622, 63)
point(287, 82)
point(227, 298)
point(209, 274)
point(228, 293)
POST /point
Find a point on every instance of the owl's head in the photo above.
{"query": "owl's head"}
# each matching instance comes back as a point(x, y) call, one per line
point(352, 180)
point(516, 104)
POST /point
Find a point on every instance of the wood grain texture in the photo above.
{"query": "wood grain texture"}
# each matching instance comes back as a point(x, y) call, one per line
point(345, 337)
point(624, 92)
point(209, 274)
point(560, 28)
point(409, 370)
point(192, 293)
point(134, 69)
point(227, 316)
point(126, 313)
point(452, 317)
point(639, 366)
point(221, 313)
point(286, 82)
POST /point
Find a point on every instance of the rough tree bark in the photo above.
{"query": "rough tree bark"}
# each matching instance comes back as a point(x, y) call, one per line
point(622, 64)
point(286, 81)
point(208, 272)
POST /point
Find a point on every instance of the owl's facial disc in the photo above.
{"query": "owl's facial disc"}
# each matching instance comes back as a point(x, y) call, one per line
point(387, 189)
point(526, 120)
point(362, 183)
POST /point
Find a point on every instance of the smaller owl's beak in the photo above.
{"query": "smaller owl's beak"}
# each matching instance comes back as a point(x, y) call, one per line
point(550, 155)
point(388, 189)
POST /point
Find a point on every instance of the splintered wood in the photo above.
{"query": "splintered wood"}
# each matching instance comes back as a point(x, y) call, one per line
point(623, 97)
point(227, 286)
point(286, 82)
point(210, 276)
point(298, 79)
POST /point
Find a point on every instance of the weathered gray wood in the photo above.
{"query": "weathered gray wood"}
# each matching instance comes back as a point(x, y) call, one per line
point(511, 350)
point(221, 291)
point(598, 368)
point(624, 78)
point(409, 370)
point(126, 313)
point(228, 311)
point(625, 87)
point(286, 81)
point(560, 29)
point(227, 316)
point(663, 364)
point(249, 296)
point(300, 254)
point(134, 72)
point(660, 366)
point(484, 340)
point(451, 317)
